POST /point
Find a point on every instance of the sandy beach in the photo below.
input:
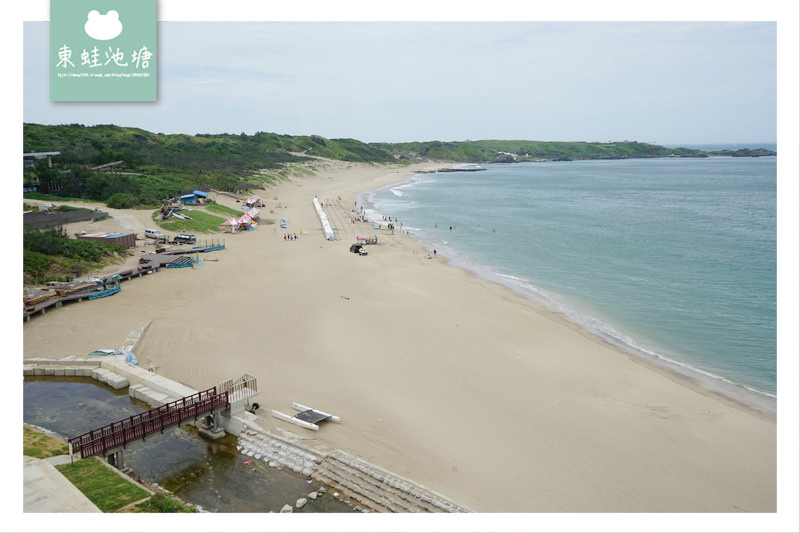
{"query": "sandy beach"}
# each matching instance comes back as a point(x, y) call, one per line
point(462, 385)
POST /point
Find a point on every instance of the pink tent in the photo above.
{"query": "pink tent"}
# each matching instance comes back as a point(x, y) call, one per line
point(232, 223)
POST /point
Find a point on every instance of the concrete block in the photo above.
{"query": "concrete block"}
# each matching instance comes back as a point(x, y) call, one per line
point(60, 372)
point(117, 382)
point(142, 393)
point(114, 380)
point(155, 398)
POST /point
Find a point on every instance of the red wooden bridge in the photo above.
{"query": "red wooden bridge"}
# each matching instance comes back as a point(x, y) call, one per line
point(137, 427)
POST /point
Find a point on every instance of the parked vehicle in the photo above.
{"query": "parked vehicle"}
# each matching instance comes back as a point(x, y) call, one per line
point(184, 238)
point(154, 234)
point(358, 249)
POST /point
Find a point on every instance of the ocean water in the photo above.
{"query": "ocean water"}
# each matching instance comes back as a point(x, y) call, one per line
point(674, 259)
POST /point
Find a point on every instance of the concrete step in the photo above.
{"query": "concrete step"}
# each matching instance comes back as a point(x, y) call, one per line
point(149, 396)
point(36, 370)
point(276, 451)
point(377, 488)
point(367, 489)
point(367, 486)
point(109, 378)
point(351, 493)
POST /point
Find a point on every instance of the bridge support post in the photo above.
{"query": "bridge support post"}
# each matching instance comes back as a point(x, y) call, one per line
point(211, 426)
point(117, 460)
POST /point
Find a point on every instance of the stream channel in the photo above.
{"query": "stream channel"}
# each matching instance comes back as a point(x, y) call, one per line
point(211, 474)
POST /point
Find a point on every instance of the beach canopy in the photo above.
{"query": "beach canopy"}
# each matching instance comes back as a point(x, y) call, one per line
point(230, 222)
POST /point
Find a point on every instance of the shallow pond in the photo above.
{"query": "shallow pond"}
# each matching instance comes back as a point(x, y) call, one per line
point(212, 474)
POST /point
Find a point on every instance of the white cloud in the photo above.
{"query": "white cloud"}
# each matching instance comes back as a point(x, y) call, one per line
point(393, 81)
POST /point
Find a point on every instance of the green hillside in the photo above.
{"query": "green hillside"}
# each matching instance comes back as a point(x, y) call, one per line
point(139, 148)
point(490, 150)
point(152, 166)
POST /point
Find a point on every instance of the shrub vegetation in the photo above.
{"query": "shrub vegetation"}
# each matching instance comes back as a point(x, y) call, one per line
point(155, 166)
point(51, 250)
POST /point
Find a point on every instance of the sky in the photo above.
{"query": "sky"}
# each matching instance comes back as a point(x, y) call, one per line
point(678, 82)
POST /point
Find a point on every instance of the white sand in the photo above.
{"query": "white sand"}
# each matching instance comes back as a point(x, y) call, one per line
point(459, 384)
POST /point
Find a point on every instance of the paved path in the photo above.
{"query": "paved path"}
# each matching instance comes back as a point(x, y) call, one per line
point(47, 491)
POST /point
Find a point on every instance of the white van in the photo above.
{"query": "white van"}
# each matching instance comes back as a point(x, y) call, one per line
point(154, 234)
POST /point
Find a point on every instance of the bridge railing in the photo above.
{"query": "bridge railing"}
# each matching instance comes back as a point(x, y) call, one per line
point(241, 389)
point(141, 425)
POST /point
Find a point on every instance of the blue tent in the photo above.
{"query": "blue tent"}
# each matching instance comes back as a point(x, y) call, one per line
point(191, 199)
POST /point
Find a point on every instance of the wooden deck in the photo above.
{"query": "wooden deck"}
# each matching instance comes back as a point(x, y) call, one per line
point(40, 300)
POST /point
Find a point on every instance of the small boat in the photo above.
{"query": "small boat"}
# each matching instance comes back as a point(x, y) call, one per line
point(103, 294)
point(308, 417)
point(109, 286)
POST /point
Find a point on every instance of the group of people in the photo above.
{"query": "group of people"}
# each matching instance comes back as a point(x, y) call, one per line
point(290, 236)
point(392, 223)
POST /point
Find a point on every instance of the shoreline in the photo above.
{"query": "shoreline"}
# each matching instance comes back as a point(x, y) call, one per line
point(459, 383)
point(759, 402)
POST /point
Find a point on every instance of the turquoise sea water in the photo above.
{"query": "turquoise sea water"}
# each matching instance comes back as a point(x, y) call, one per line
point(673, 258)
